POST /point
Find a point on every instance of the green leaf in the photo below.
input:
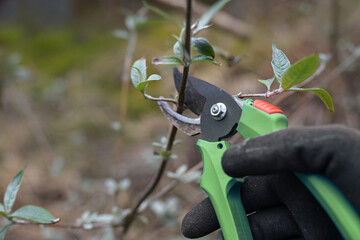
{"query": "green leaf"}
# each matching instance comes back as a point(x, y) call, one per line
point(321, 93)
point(203, 46)
point(178, 50)
point(2, 210)
point(168, 60)
point(12, 190)
point(154, 77)
point(34, 214)
point(280, 63)
point(162, 14)
point(299, 71)
point(203, 58)
point(138, 75)
point(209, 14)
point(267, 82)
point(142, 86)
point(3, 231)
point(138, 72)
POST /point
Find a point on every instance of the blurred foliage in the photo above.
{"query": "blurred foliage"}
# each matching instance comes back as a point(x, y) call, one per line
point(63, 122)
point(56, 52)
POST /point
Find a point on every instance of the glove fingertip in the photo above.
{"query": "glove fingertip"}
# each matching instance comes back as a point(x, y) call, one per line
point(230, 162)
point(187, 227)
point(200, 221)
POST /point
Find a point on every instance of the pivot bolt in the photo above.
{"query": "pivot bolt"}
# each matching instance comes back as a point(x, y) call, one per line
point(218, 111)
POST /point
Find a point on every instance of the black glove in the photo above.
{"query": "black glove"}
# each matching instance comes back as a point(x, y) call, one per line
point(281, 207)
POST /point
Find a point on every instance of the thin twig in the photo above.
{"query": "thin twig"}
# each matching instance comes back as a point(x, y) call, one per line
point(266, 95)
point(95, 225)
point(125, 82)
point(151, 98)
point(125, 75)
point(22, 221)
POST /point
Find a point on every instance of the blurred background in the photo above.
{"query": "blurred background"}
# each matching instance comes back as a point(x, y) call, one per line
point(62, 66)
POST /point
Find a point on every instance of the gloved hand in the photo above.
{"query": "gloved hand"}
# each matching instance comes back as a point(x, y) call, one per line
point(281, 207)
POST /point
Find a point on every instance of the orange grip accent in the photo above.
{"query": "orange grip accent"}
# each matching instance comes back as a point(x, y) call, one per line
point(266, 107)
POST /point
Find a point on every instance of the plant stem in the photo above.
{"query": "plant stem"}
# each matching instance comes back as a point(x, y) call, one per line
point(125, 81)
point(151, 98)
point(266, 95)
point(172, 133)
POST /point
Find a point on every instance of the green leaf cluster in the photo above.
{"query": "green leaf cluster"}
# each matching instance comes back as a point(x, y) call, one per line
point(289, 75)
point(29, 213)
point(205, 50)
point(139, 76)
point(202, 46)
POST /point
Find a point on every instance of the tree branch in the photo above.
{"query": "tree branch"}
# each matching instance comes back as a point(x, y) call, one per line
point(180, 107)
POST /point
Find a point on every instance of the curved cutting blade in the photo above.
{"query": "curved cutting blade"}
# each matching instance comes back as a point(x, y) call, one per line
point(200, 96)
point(189, 126)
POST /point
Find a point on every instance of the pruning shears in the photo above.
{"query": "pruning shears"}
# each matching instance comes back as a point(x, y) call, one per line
point(222, 116)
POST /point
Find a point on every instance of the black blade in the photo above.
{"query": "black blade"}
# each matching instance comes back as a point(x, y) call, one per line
point(200, 96)
point(193, 99)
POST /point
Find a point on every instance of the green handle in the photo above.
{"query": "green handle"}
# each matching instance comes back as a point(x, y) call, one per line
point(336, 205)
point(255, 122)
point(223, 191)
